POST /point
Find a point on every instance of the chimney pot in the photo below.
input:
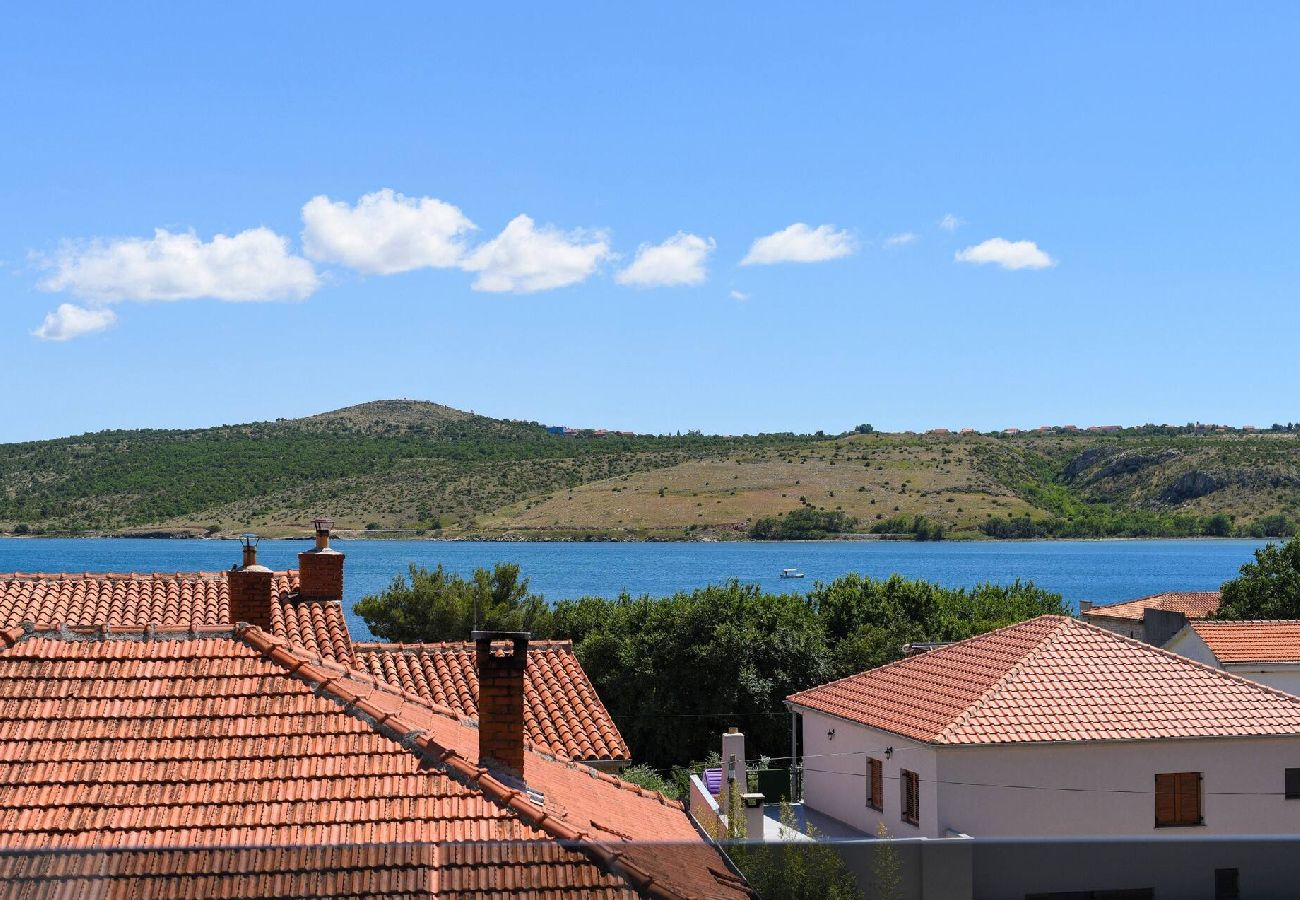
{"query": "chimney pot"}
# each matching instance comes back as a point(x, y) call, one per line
point(250, 588)
point(501, 700)
point(320, 571)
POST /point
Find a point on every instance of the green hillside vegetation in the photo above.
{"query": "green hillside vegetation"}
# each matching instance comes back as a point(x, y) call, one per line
point(417, 468)
point(675, 671)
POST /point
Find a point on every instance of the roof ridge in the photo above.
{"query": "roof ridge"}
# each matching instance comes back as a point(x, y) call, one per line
point(417, 646)
point(203, 574)
point(1186, 660)
point(416, 738)
point(1214, 623)
point(1000, 683)
point(266, 643)
point(911, 659)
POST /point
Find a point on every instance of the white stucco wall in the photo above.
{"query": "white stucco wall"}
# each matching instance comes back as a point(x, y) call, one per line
point(1189, 644)
point(1079, 789)
point(1129, 628)
point(1103, 788)
point(1282, 676)
point(835, 775)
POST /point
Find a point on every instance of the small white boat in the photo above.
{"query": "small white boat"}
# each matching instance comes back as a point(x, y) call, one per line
point(791, 573)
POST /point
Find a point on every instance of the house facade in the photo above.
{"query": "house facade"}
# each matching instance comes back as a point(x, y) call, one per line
point(1267, 652)
point(1051, 728)
point(1155, 618)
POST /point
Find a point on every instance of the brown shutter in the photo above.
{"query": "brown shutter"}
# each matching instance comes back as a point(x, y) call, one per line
point(1166, 804)
point(875, 784)
point(1178, 798)
point(910, 783)
point(1189, 798)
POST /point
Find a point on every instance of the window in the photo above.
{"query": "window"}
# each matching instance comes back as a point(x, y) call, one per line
point(1227, 884)
point(1178, 799)
point(875, 784)
point(1293, 784)
point(911, 796)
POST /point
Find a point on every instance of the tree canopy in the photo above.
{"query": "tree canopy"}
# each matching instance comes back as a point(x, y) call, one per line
point(1268, 588)
point(676, 671)
point(436, 605)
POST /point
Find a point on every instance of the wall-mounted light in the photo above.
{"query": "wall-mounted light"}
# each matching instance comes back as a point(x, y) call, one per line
point(889, 752)
point(830, 735)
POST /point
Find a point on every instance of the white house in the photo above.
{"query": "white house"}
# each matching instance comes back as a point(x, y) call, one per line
point(1154, 618)
point(1051, 727)
point(1264, 651)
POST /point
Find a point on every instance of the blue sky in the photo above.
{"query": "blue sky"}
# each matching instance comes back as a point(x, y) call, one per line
point(1119, 181)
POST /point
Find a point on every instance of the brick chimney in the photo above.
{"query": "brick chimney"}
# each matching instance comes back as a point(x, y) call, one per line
point(501, 699)
point(320, 571)
point(250, 588)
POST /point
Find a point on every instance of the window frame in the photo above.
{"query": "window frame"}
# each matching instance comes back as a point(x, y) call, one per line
point(1290, 790)
point(875, 784)
point(1178, 795)
point(909, 797)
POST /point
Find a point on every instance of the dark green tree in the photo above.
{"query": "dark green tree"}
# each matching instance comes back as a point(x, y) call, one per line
point(436, 605)
point(1268, 588)
point(677, 671)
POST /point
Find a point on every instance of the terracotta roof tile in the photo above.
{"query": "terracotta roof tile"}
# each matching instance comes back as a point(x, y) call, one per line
point(167, 599)
point(563, 714)
point(1255, 641)
point(1054, 679)
point(132, 747)
point(1193, 604)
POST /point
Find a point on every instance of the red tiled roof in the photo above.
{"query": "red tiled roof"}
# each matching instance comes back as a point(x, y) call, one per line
point(1251, 641)
point(166, 599)
point(115, 739)
point(1193, 604)
point(563, 715)
point(1054, 678)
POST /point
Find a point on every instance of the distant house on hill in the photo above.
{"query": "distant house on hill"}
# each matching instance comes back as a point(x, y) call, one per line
point(938, 431)
point(1264, 651)
point(1154, 619)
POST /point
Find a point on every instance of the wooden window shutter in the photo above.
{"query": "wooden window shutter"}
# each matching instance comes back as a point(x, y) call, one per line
point(911, 797)
point(1292, 784)
point(875, 784)
point(1178, 798)
point(1189, 798)
point(1166, 805)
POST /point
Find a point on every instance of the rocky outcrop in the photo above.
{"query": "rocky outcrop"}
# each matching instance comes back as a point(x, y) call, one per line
point(1084, 461)
point(1191, 485)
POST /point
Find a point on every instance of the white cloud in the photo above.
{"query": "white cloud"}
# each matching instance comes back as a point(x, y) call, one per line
point(385, 232)
point(70, 321)
point(253, 265)
point(524, 258)
point(739, 295)
point(800, 243)
point(678, 260)
point(1007, 254)
point(949, 222)
point(901, 239)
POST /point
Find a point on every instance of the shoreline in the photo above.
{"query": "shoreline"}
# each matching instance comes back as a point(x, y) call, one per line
point(487, 539)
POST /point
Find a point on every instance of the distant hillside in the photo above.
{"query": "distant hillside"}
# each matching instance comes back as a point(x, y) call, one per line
point(430, 469)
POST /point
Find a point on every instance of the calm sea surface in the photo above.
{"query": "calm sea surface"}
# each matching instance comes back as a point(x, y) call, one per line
point(1101, 571)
